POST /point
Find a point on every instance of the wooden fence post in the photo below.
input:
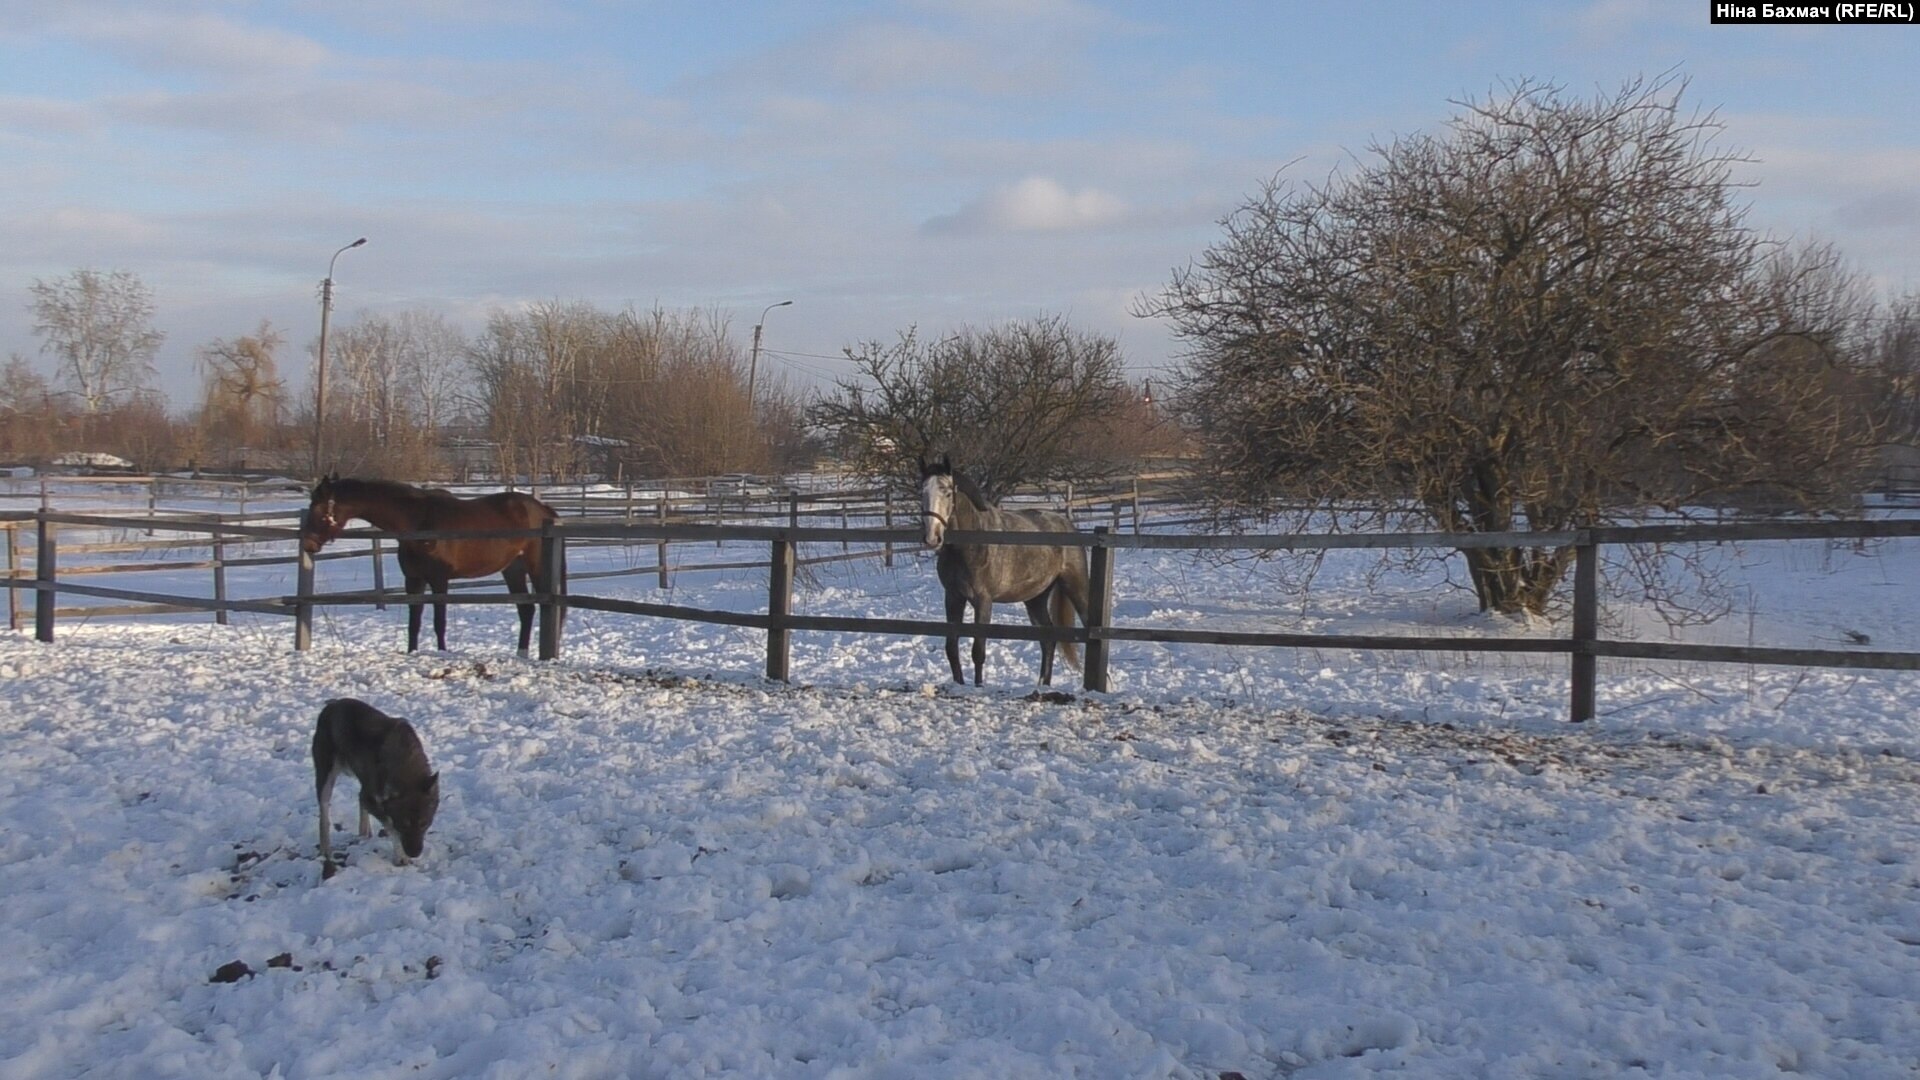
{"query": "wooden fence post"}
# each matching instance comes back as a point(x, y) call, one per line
point(661, 506)
point(153, 502)
point(1586, 626)
point(43, 575)
point(219, 577)
point(13, 577)
point(379, 577)
point(1099, 610)
point(553, 570)
point(1136, 506)
point(303, 604)
point(886, 549)
point(779, 606)
point(793, 509)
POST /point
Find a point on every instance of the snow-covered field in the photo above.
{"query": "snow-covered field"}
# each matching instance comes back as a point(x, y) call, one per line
point(650, 863)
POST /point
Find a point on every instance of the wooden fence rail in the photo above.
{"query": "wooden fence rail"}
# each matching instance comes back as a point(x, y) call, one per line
point(1584, 646)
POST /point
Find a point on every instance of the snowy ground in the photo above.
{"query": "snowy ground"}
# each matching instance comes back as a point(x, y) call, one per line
point(1279, 864)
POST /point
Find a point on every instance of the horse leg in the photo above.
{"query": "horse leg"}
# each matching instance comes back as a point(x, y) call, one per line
point(516, 576)
point(415, 586)
point(440, 613)
point(956, 611)
point(1037, 611)
point(982, 615)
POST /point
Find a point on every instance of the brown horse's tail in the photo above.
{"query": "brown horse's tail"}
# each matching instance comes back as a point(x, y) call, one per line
point(1069, 599)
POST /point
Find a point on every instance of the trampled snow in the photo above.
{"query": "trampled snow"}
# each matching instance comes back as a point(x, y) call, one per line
point(649, 862)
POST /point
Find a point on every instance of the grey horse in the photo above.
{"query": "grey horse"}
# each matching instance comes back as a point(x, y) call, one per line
point(1052, 581)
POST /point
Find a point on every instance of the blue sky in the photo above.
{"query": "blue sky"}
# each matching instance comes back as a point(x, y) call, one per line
point(883, 165)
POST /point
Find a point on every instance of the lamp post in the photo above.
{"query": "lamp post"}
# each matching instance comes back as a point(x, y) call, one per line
point(753, 363)
point(320, 374)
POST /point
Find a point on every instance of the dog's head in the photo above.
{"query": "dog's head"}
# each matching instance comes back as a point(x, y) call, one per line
point(408, 808)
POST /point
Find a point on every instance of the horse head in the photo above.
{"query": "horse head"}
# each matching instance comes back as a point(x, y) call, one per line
point(936, 500)
point(323, 520)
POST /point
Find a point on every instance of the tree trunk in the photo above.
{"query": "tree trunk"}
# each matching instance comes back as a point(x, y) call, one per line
point(1515, 580)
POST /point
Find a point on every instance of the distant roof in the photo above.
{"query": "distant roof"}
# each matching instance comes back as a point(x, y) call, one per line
point(91, 459)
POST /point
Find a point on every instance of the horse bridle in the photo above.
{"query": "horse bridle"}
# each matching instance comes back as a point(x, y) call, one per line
point(324, 519)
point(929, 512)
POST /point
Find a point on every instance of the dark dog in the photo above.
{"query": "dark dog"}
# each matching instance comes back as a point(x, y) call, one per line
point(396, 784)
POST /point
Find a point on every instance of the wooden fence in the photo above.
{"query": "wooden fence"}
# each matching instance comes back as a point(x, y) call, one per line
point(1583, 646)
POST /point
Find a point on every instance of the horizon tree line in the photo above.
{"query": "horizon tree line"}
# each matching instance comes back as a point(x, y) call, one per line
point(1547, 314)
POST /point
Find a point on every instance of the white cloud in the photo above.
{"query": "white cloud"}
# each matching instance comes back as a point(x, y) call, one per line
point(1036, 204)
point(198, 43)
point(46, 116)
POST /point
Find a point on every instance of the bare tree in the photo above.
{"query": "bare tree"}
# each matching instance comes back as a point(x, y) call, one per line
point(1009, 403)
point(245, 399)
point(1894, 356)
point(397, 382)
point(138, 429)
point(1549, 312)
point(27, 413)
point(433, 367)
point(561, 384)
point(528, 367)
point(99, 329)
point(677, 391)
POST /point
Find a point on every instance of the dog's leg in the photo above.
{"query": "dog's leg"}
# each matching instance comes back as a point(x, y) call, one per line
point(324, 789)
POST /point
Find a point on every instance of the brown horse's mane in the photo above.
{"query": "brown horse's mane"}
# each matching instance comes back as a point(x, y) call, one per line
point(353, 487)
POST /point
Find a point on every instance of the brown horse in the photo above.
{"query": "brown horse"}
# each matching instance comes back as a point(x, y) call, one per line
point(403, 508)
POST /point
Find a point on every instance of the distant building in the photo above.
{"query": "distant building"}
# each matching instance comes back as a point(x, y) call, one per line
point(87, 461)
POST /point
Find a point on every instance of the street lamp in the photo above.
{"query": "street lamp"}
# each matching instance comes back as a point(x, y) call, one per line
point(320, 375)
point(753, 364)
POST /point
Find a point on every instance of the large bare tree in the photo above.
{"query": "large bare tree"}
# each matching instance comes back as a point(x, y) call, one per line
point(99, 329)
point(1013, 404)
point(395, 387)
point(245, 399)
point(527, 365)
point(1548, 312)
point(560, 385)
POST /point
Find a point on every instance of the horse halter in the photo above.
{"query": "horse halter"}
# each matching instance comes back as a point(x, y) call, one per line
point(948, 490)
point(928, 513)
point(325, 516)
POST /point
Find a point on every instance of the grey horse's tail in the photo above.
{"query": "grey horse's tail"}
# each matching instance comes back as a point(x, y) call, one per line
point(1070, 599)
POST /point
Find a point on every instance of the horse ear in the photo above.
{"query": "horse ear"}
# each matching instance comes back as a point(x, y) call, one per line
point(946, 461)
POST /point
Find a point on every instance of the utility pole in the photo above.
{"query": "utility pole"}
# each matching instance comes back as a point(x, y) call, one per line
point(320, 373)
point(753, 363)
